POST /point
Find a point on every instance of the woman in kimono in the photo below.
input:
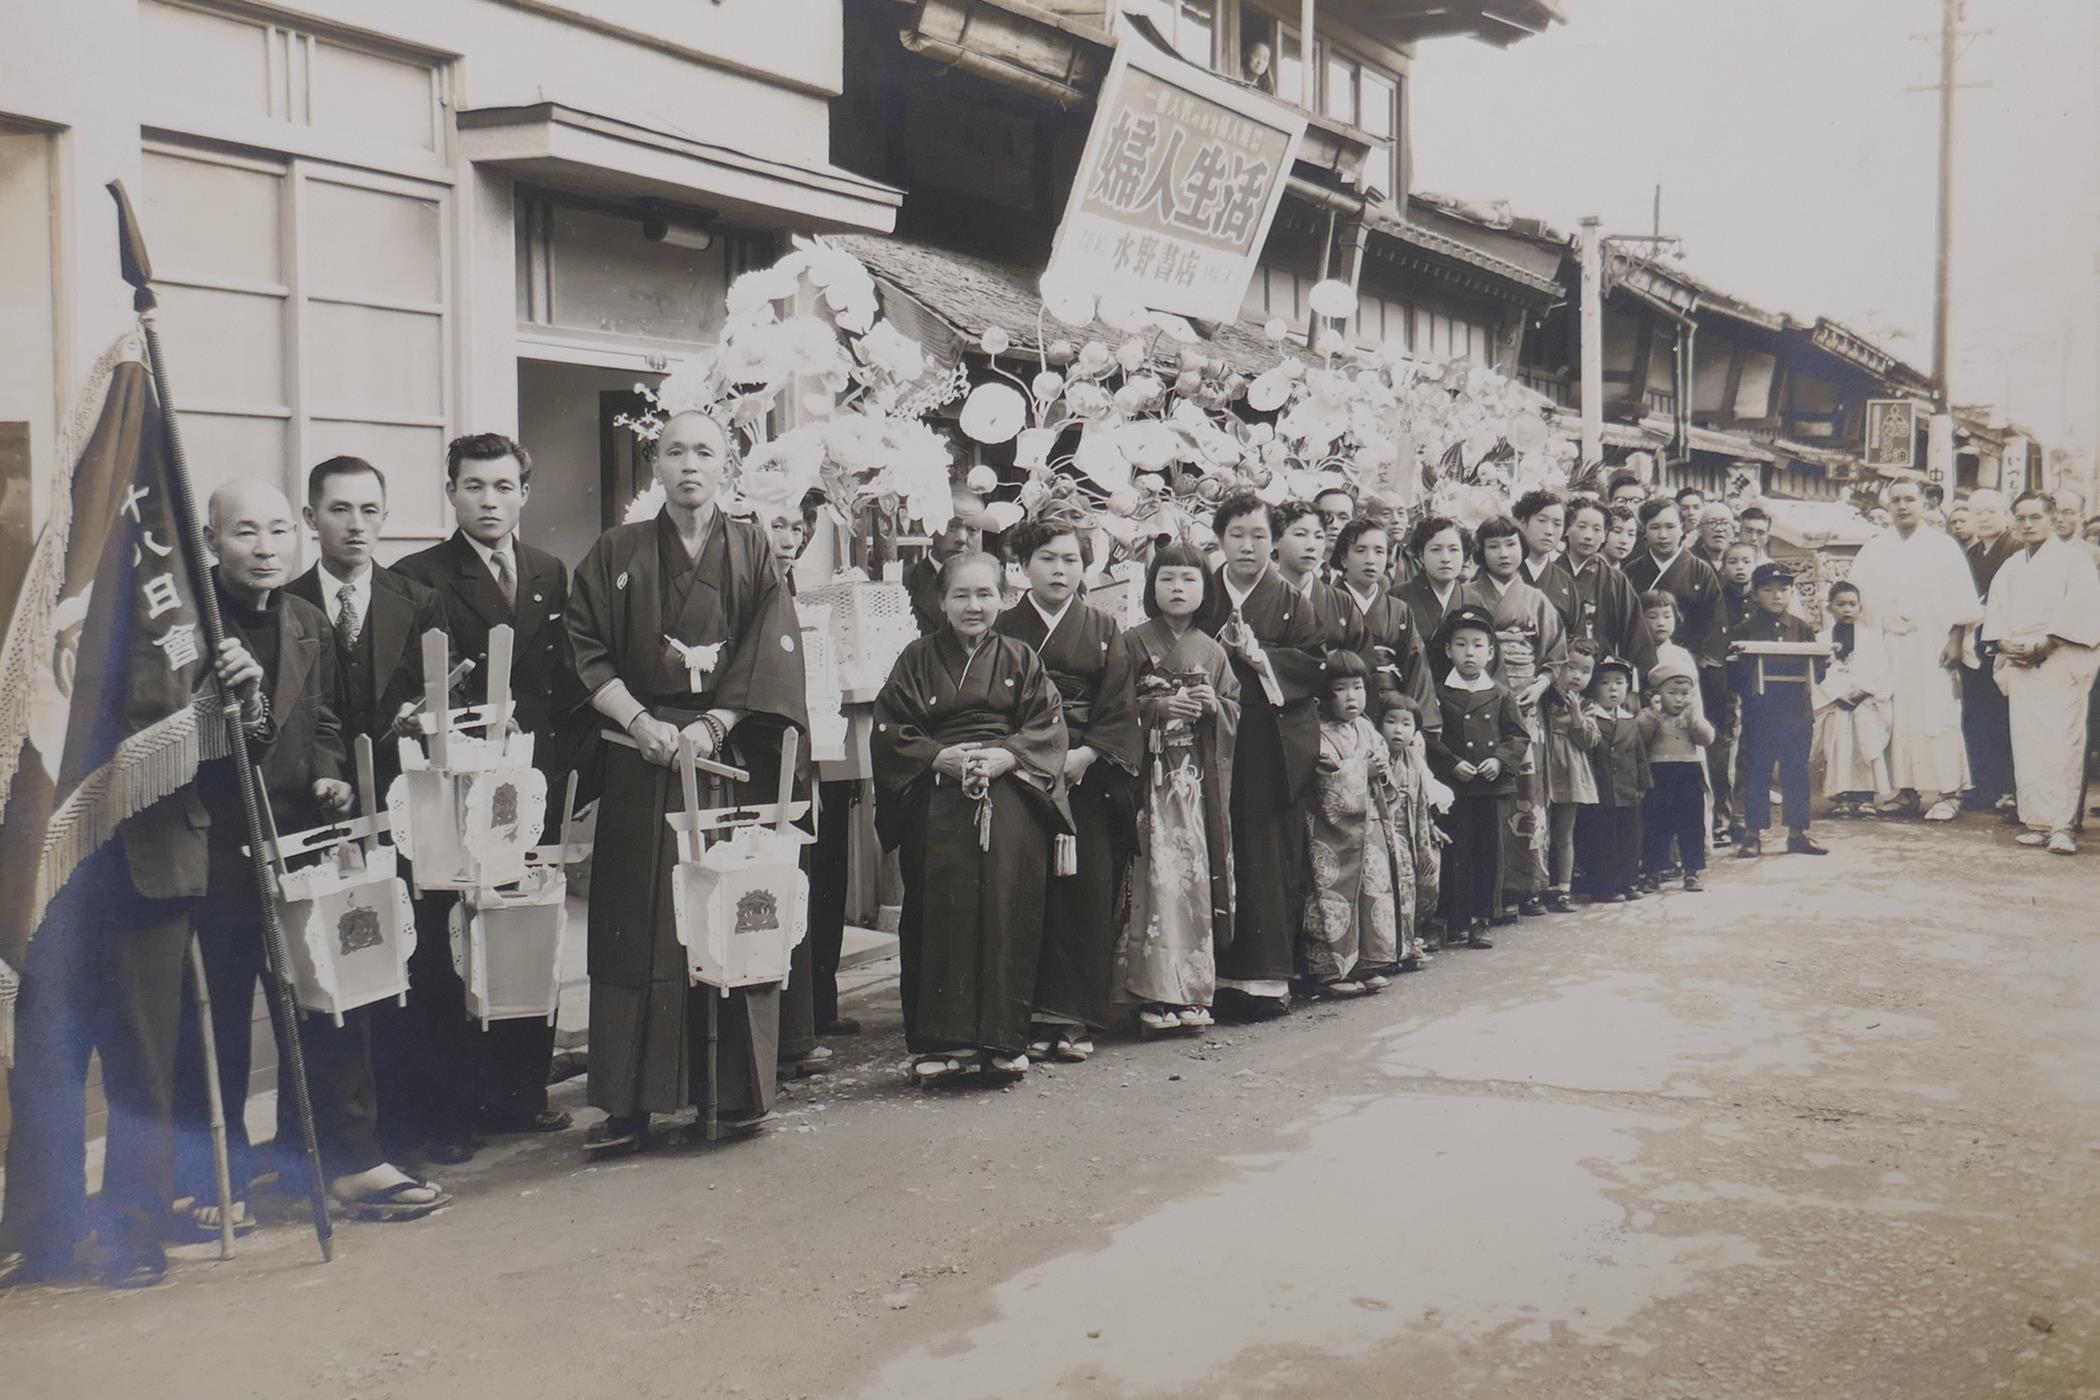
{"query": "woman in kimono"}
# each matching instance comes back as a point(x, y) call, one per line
point(1389, 644)
point(1082, 649)
point(969, 752)
point(1274, 642)
point(1181, 882)
point(1530, 638)
point(681, 630)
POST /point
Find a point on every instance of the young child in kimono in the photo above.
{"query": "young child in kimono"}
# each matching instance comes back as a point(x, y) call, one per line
point(1853, 709)
point(1608, 831)
point(1570, 781)
point(1478, 749)
point(1675, 734)
point(1418, 841)
point(1350, 940)
point(1181, 879)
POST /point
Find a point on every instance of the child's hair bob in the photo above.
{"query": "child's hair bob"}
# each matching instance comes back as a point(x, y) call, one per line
point(1658, 598)
point(1398, 703)
point(1346, 666)
point(1175, 554)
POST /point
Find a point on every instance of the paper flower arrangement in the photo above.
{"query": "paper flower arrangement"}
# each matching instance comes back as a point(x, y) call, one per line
point(1150, 431)
point(859, 384)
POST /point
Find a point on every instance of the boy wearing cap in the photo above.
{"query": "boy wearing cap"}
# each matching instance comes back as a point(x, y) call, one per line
point(1477, 751)
point(1778, 709)
point(1676, 735)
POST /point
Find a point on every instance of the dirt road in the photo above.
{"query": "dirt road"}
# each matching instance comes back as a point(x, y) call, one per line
point(1831, 1130)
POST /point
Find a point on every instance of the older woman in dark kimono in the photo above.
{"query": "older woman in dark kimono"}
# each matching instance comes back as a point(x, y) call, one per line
point(969, 751)
point(1081, 648)
point(1274, 640)
point(681, 628)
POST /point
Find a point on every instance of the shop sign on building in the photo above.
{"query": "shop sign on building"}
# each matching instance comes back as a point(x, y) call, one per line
point(1179, 182)
point(2013, 474)
point(1892, 434)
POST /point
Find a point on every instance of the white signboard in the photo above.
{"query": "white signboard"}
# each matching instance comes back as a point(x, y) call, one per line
point(1177, 187)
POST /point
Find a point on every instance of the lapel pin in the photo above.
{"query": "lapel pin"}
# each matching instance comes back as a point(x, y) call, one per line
point(621, 583)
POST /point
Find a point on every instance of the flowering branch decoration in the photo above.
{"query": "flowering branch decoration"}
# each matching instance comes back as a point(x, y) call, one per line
point(860, 388)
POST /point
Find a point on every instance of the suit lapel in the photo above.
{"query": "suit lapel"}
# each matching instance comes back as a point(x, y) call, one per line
point(532, 591)
point(296, 655)
point(477, 586)
point(392, 616)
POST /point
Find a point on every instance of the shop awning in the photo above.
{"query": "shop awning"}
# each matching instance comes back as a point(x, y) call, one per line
point(969, 295)
point(1817, 524)
point(565, 149)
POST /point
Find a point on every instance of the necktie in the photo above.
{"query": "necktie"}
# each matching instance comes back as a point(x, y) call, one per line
point(505, 579)
point(346, 619)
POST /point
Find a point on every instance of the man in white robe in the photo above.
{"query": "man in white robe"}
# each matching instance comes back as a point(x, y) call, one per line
point(1916, 590)
point(2044, 614)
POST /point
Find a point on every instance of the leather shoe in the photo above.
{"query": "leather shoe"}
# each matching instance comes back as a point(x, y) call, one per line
point(546, 1120)
point(1802, 844)
point(844, 1025)
point(450, 1152)
point(1749, 849)
point(134, 1268)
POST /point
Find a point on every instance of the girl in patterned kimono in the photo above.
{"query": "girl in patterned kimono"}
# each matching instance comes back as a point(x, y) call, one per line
point(1417, 840)
point(1350, 941)
point(1181, 881)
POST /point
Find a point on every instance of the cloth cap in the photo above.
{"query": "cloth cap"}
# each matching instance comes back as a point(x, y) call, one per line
point(1607, 665)
point(1458, 619)
point(1670, 669)
point(1772, 573)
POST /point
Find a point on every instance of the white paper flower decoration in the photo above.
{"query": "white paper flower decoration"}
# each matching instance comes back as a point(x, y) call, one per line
point(1276, 329)
point(995, 340)
point(994, 412)
point(1004, 515)
point(1333, 299)
point(981, 479)
point(1067, 299)
point(1269, 390)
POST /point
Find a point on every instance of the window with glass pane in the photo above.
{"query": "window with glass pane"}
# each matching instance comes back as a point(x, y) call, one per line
point(1195, 29)
point(1290, 65)
point(1379, 114)
point(1341, 89)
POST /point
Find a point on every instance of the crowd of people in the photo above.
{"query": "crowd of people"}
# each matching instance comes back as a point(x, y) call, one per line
point(1345, 738)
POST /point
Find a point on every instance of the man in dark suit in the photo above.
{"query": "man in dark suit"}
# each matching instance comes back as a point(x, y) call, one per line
point(486, 577)
point(377, 621)
point(304, 762)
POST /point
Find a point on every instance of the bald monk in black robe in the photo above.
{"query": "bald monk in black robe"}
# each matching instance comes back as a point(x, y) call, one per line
point(643, 600)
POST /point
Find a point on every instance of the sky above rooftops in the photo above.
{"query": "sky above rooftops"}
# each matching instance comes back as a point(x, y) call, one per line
point(1801, 173)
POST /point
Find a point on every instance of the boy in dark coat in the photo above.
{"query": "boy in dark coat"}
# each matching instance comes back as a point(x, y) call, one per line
point(1779, 721)
point(1477, 750)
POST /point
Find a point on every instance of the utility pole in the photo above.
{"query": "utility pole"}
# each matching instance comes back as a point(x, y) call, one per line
point(1943, 263)
point(1592, 348)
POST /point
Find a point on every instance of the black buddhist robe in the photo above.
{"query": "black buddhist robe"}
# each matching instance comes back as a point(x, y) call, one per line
point(1084, 914)
point(972, 924)
point(1272, 778)
point(635, 589)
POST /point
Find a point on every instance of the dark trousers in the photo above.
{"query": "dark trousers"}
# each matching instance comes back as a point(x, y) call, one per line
point(104, 975)
point(1472, 876)
point(1674, 807)
point(1986, 729)
point(441, 1075)
point(1720, 705)
point(828, 860)
point(1777, 732)
point(1608, 842)
point(338, 1059)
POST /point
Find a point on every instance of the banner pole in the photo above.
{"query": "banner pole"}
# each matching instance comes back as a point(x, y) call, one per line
point(138, 272)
